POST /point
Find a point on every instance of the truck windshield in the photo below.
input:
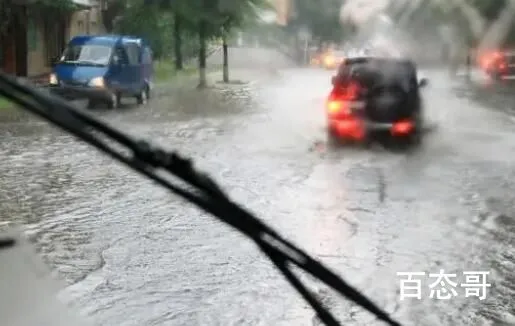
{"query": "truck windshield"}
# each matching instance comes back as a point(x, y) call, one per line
point(87, 54)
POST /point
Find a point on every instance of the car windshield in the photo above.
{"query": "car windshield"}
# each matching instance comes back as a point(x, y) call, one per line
point(87, 54)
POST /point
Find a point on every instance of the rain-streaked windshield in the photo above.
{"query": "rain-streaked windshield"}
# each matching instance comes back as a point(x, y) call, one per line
point(87, 54)
point(398, 174)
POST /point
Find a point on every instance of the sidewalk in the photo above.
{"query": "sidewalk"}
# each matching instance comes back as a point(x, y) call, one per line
point(237, 76)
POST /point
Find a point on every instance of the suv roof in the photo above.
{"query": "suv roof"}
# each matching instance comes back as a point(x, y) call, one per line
point(370, 58)
point(349, 62)
point(388, 70)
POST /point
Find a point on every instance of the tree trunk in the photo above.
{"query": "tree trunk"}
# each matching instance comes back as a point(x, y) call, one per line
point(177, 27)
point(298, 50)
point(202, 54)
point(110, 12)
point(225, 57)
point(320, 45)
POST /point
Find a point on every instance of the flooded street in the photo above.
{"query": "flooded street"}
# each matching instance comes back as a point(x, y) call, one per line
point(135, 255)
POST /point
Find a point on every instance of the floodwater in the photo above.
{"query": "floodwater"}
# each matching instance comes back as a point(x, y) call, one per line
point(132, 254)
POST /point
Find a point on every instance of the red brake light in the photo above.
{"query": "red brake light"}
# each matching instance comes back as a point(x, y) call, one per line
point(402, 127)
point(337, 103)
point(350, 92)
point(335, 106)
point(338, 108)
point(491, 58)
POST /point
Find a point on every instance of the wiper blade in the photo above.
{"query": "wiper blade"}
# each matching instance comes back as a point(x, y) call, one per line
point(82, 63)
point(90, 63)
point(206, 194)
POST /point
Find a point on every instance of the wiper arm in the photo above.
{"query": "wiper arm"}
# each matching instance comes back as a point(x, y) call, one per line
point(83, 63)
point(206, 194)
point(90, 63)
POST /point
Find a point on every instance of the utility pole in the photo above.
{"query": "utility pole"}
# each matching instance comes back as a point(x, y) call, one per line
point(202, 35)
point(304, 36)
point(468, 60)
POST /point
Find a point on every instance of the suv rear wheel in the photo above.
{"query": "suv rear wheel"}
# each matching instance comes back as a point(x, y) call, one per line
point(332, 138)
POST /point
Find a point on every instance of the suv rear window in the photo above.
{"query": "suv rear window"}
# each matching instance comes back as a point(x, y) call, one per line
point(372, 72)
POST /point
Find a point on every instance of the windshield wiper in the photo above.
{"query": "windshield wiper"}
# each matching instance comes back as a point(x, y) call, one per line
point(206, 194)
point(83, 63)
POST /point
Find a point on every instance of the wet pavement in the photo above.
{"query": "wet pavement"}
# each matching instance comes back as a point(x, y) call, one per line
point(134, 255)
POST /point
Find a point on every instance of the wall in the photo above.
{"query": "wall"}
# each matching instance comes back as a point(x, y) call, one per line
point(13, 43)
point(83, 22)
point(86, 22)
point(31, 46)
point(8, 53)
point(37, 63)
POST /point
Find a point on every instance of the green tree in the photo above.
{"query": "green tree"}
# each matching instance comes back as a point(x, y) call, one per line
point(113, 9)
point(162, 23)
point(492, 11)
point(194, 16)
point(183, 25)
point(321, 18)
point(486, 11)
point(207, 19)
point(235, 14)
point(489, 10)
point(148, 22)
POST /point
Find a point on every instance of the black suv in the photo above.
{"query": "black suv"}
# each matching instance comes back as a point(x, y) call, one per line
point(375, 97)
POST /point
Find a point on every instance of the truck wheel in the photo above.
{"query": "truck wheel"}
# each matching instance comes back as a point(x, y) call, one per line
point(92, 104)
point(114, 101)
point(143, 96)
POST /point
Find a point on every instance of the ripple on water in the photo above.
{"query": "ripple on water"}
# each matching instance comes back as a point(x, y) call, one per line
point(136, 256)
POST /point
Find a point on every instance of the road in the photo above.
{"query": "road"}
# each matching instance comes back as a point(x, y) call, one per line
point(134, 255)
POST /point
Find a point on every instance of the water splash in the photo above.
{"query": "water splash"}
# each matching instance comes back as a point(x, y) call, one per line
point(426, 27)
point(360, 12)
point(499, 29)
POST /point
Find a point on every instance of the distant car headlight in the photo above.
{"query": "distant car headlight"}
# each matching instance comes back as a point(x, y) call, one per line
point(52, 80)
point(97, 82)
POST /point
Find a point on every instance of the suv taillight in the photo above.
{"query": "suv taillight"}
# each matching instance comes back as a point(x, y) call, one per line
point(350, 92)
point(335, 106)
point(337, 103)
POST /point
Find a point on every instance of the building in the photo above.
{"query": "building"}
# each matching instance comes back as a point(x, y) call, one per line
point(86, 22)
point(283, 9)
point(34, 36)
